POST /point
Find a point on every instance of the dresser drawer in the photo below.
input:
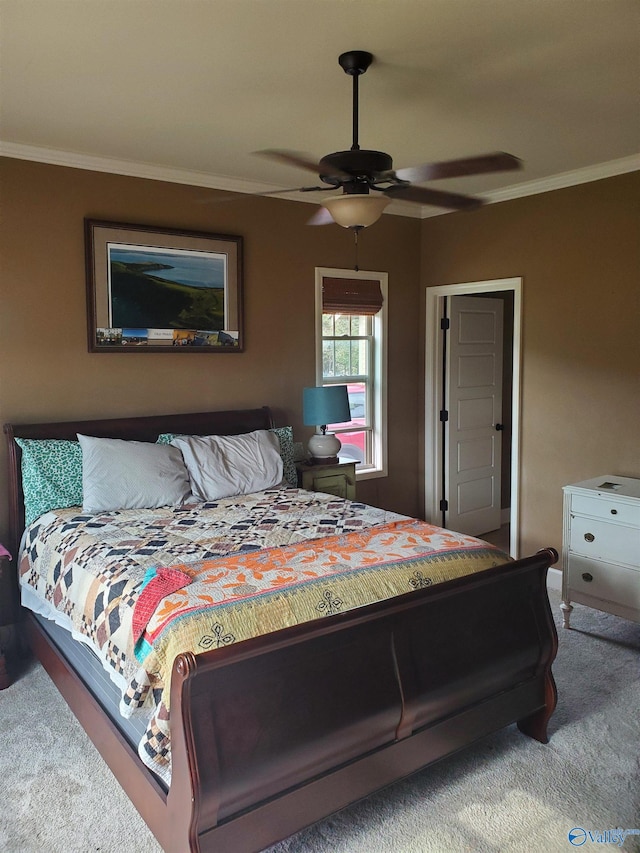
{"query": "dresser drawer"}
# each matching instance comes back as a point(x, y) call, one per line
point(606, 508)
point(604, 581)
point(332, 484)
point(334, 479)
point(606, 541)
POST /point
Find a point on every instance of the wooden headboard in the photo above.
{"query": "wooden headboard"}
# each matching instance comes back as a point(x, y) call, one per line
point(231, 422)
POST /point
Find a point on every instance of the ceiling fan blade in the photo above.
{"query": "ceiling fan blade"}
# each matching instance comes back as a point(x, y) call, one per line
point(239, 196)
point(499, 161)
point(243, 196)
point(321, 217)
point(302, 161)
point(425, 195)
point(290, 158)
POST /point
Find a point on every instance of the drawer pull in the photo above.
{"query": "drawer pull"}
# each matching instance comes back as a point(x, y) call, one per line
point(587, 577)
point(614, 512)
point(589, 537)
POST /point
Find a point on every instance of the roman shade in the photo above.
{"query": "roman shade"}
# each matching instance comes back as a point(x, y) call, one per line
point(351, 296)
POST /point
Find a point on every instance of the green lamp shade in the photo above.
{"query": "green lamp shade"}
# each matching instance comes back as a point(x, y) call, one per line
point(328, 404)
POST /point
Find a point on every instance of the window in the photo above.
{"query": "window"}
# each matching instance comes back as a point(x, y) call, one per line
point(351, 325)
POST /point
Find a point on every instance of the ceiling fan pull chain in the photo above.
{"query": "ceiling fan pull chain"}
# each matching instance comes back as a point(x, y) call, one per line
point(356, 231)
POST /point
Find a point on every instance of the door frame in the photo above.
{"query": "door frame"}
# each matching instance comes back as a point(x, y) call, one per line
point(433, 450)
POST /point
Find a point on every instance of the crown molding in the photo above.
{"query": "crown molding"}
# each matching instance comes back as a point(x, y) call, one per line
point(155, 172)
point(567, 179)
point(131, 168)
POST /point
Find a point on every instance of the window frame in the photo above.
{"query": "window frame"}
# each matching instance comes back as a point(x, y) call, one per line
point(378, 367)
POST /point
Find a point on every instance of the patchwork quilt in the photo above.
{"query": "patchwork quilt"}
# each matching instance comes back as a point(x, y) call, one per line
point(144, 585)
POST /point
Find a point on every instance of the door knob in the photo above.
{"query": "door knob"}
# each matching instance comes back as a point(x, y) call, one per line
point(499, 427)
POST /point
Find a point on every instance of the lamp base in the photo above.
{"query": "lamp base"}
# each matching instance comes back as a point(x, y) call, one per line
point(324, 449)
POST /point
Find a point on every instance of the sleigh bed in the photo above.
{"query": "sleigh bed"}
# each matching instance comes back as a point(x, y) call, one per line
point(268, 729)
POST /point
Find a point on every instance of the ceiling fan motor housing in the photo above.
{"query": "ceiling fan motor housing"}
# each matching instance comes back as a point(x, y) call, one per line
point(358, 163)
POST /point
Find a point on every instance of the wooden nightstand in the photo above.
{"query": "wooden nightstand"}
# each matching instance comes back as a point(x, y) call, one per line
point(338, 478)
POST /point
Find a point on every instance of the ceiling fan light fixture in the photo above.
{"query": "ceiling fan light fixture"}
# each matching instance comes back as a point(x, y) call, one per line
point(355, 210)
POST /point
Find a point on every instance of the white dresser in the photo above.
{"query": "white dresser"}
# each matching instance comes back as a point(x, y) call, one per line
point(601, 546)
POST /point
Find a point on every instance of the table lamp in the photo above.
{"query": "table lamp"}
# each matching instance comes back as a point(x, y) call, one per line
point(328, 404)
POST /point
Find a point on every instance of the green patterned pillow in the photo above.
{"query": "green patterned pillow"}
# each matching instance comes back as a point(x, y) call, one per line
point(285, 437)
point(51, 475)
point(167, 437)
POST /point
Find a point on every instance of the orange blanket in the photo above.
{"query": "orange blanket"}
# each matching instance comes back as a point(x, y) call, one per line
point(242, 596)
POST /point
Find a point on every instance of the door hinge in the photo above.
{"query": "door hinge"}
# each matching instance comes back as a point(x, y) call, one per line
point(444, 416)
point(445, 323)
point(444, 505)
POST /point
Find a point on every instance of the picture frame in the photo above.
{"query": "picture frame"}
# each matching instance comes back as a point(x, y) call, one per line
point(165, 290)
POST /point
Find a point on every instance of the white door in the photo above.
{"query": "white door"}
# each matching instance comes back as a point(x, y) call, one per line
point(473, 402)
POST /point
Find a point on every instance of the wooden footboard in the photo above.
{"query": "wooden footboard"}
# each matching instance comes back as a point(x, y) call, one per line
point(273, 734)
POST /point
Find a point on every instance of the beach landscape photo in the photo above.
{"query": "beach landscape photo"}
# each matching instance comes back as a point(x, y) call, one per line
point(151, 287)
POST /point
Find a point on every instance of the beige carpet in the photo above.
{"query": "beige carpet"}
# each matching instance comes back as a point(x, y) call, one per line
point(505, 794)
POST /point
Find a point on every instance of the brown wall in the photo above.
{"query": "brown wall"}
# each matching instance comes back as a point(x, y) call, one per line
point(576, 249)
point(46, 372)
point(578, 253)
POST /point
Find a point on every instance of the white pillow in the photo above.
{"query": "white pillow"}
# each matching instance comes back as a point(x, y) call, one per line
point(224, 465)
point(119, 474)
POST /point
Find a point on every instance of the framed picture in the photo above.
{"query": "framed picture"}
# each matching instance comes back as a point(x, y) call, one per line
point(157, 290)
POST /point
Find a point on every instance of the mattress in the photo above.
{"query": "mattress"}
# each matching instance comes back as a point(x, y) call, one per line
point(89, 666)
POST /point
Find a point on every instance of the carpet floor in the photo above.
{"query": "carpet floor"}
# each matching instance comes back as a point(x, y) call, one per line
point(504, 794)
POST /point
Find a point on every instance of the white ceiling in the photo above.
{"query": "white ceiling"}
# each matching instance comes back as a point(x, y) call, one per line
point(188, 89)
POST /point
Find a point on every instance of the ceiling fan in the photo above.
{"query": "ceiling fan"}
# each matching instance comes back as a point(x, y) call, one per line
point(367, 178)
